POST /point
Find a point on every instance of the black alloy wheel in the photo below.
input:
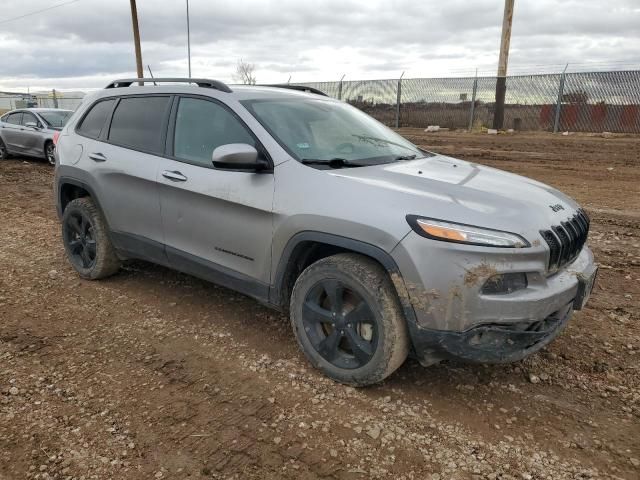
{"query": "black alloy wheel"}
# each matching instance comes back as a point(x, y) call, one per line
point(340, 325)
point(348, 320)
point(79, 236)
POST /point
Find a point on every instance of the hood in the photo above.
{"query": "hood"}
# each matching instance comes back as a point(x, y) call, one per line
point(458, 191)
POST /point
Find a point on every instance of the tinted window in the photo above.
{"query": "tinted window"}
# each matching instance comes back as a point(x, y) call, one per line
point(14, 118)
point(93, 122)
point(137, 123)
point(202, 126)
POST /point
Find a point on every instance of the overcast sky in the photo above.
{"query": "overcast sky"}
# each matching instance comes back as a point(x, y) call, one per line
point(88, 43)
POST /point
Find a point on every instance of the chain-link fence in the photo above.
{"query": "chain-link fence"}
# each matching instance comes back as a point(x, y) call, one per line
point(583, 102)
point(11, 101)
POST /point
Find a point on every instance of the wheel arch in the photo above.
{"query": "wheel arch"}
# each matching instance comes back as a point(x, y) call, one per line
point(45, 144)
point(307, 247)
point(69, 189)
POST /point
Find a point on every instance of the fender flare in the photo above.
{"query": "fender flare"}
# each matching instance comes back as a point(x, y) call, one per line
point(72, 181)
point(357, 246)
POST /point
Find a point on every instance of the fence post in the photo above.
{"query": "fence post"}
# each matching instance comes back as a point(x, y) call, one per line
point(556, 121)
point(340, 87)
point(55, 98)
point(399, 96)
point(473, 100)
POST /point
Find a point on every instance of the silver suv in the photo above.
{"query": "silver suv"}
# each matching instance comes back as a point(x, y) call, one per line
point(377, 248)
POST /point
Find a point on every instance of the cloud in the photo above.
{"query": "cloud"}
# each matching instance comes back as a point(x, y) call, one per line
point(88, 43)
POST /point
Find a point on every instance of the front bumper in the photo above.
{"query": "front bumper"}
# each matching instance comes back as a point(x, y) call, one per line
point(490, 343)
point(453, 318)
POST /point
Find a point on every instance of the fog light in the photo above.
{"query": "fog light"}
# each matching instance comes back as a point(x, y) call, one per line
point(505, 283)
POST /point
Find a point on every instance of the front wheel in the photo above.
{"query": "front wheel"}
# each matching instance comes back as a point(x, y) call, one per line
point(50, 153)
point(348, 321)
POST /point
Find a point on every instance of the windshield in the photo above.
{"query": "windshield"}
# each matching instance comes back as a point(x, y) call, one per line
point(322, 131)
point(56, 119)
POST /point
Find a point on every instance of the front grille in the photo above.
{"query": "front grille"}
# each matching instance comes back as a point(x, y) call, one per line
point(566, 240)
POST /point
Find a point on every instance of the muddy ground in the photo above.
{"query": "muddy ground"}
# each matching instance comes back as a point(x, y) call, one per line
point(155, 374)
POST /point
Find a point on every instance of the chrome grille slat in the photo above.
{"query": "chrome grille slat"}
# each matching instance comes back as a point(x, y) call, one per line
point(566, 240)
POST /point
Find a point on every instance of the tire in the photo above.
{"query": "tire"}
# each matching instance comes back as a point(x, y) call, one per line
point(352, 344)
point(49, 149)
point(4, 155)
point(86, 242)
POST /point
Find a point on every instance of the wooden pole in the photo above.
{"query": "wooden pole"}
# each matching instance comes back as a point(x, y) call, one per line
point(501, 81)
point(188, 40)
point(136, 38)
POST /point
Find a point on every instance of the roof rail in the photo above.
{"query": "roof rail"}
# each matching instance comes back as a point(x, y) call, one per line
point(201, 82)
point(301, 88)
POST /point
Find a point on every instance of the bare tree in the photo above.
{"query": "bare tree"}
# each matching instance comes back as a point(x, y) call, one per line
point(245, 73)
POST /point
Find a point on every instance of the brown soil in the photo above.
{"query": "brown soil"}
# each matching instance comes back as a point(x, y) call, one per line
point(154, 374)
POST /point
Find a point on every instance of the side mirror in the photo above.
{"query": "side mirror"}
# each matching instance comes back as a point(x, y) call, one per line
point(238, 156)
point(32, 125)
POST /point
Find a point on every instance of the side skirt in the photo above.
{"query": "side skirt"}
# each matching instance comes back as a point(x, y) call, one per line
point(136, 247)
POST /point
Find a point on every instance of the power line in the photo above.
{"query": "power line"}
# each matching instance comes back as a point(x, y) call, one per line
point(7, 20)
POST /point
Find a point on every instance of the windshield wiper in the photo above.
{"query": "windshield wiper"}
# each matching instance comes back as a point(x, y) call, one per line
point(370, 139)
point(406, 157)
point(333, 162)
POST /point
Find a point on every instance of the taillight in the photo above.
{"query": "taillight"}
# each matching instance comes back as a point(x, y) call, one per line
point(56, 135)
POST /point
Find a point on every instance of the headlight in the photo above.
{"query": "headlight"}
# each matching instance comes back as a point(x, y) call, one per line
point(461, 233)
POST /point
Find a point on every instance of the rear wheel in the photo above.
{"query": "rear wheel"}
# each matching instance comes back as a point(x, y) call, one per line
point(84, 234)
point(3, 151)
point(49, 153)
point(348, 321)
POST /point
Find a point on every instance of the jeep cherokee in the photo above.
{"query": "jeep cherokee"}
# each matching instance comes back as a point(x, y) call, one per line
point(377, 248)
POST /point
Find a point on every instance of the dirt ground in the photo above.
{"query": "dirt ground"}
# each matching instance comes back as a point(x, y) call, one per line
point(155, 374)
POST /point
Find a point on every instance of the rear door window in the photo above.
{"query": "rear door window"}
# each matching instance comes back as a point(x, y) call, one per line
point(139, 123)
point(94, 121)
point(14, 118)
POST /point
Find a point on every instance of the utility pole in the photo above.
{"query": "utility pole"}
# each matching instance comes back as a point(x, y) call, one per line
point(188, 39)
point(136, 38)
point(501, 81)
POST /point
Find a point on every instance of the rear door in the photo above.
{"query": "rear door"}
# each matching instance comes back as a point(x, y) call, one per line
point(123, 162)
point(11, 132)
point(216, 223)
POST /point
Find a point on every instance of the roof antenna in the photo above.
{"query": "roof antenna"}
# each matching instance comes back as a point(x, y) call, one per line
point(151, 73)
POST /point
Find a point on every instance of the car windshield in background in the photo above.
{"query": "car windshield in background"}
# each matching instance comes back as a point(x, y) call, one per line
point(316, 131)
point(56, 119)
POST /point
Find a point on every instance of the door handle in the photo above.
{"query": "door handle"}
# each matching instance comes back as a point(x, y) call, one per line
point(97, 157)
point(175, 176)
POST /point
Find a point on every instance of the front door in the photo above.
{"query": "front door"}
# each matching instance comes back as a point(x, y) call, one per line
point(217, 224)
point(32, 137)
